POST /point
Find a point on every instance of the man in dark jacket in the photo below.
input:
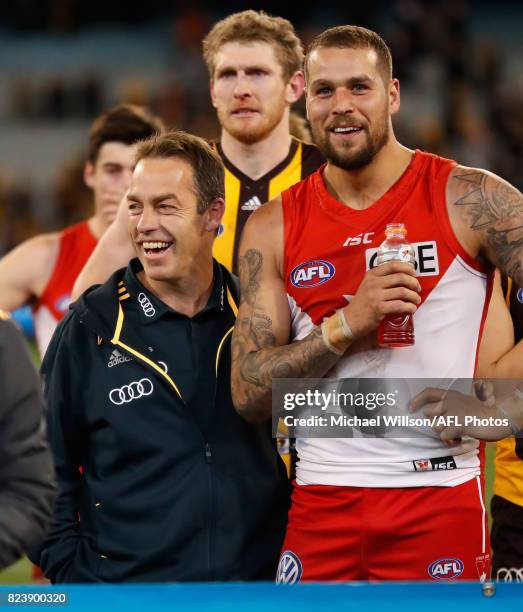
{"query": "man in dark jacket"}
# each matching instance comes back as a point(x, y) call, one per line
point(159, 479)
point(27, 489)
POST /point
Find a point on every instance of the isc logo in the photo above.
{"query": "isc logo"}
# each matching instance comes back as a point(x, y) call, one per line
point(312, 273)
point(446, 569)
point(359, 239)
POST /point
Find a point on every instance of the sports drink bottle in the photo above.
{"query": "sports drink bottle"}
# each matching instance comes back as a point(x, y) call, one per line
point(396, 331)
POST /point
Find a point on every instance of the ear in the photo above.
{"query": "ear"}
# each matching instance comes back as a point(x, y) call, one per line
point(295, 87)
point(89, 171)
point(211, 89)
point(214, 214)
point(394, 96)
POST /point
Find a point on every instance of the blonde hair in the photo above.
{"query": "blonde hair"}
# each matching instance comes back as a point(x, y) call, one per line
point(256, 26)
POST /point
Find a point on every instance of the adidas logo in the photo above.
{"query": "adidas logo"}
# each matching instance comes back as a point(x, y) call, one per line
point(252, 204)
point(117, 358)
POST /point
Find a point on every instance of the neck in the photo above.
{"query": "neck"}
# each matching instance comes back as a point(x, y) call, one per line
point(359, 189)
point(97, 225)
point(258, 158)
point(188, 295)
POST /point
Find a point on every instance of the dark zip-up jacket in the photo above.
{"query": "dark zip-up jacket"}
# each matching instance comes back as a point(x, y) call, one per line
point(156, 498)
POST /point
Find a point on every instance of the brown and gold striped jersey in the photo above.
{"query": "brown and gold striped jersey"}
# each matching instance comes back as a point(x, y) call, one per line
point(509, 452)
point(244, 195)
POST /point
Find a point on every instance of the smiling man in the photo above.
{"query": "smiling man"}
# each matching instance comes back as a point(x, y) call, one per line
point(175, 485)
point(41, 271)
point(386, 508)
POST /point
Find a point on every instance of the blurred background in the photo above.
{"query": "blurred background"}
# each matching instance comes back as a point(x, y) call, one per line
point(62, 62)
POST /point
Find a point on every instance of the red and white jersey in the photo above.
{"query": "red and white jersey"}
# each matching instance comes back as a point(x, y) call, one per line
point(328, 248)
point(76, 245)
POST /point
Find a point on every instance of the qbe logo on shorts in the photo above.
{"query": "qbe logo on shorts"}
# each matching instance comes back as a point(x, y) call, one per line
point(290, 568)
point(448, 568)
point(128, 393)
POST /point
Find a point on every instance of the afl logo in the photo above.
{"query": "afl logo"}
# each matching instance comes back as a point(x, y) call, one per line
point(447, 568)
point(519, 295)
point(312, 273)
point(290, 568)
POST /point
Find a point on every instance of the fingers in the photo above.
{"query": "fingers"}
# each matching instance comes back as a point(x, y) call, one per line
point(427, 396)
point(400, 280)
point(393, 267)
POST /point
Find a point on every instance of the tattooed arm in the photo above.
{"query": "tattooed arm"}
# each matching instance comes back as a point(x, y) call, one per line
point(486, 214)
point(260, 343)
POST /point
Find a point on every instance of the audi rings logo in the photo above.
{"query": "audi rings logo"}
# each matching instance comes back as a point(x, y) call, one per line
point(510, 574)
point(289, 569)
point(132, 391)
point(147, 307)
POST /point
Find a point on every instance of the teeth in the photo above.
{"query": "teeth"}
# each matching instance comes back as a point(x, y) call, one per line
point(341, 130)
point(155, 245)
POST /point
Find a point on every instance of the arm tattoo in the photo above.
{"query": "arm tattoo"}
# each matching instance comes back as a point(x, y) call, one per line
point(255, 369)
point(495, 208)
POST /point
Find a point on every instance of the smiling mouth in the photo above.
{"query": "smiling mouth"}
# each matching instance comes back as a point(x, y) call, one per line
point(346, 130)
point(155, 249)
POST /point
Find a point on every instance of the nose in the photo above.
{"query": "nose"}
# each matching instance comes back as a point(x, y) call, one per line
point(148, 221)
point(242, 86)
point(343, 101)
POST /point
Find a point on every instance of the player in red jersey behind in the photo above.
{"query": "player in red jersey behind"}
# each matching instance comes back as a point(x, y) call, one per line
point(42, 270)
point(364, 507)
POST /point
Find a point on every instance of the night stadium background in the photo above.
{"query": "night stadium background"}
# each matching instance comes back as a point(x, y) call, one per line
point(62, 62)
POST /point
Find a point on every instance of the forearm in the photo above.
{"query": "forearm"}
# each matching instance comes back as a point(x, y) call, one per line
point(254, 371)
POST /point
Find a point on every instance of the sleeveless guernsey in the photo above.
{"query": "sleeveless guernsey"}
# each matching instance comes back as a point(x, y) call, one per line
point(76, 245)
point(328, 248)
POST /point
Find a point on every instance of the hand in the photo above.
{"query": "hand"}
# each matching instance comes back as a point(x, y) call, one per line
point(459, 415)
point(389, 289)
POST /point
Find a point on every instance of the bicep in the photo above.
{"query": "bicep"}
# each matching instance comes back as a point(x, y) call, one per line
point(264, 314)
point(113, 251)
point(498, 333)
point(487, 216)
point(25, 271)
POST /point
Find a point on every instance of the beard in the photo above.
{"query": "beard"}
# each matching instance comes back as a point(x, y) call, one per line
point(348, 156)
point(259, 128)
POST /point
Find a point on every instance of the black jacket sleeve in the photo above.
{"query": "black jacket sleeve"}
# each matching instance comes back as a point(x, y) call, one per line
point(61, 381)
point(27, 489)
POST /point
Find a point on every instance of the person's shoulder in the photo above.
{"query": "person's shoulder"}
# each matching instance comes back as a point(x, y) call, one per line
point(485, 185)
point(266, 217)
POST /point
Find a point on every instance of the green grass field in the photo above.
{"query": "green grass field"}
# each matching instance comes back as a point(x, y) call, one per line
point(20, 573)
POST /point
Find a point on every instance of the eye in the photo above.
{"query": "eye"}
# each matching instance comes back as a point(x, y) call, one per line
point(323, 91)
point(134, 208)
point(227, 74)
point(359, 88)
point(163, 207)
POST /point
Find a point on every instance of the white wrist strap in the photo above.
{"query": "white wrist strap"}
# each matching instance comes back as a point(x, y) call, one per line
point(327, 342)
point(349, 334)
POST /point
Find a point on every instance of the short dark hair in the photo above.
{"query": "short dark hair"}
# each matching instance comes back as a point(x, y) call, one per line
point(125, 123)
point(208, 170)
point(353, 37)
point(256, 26)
